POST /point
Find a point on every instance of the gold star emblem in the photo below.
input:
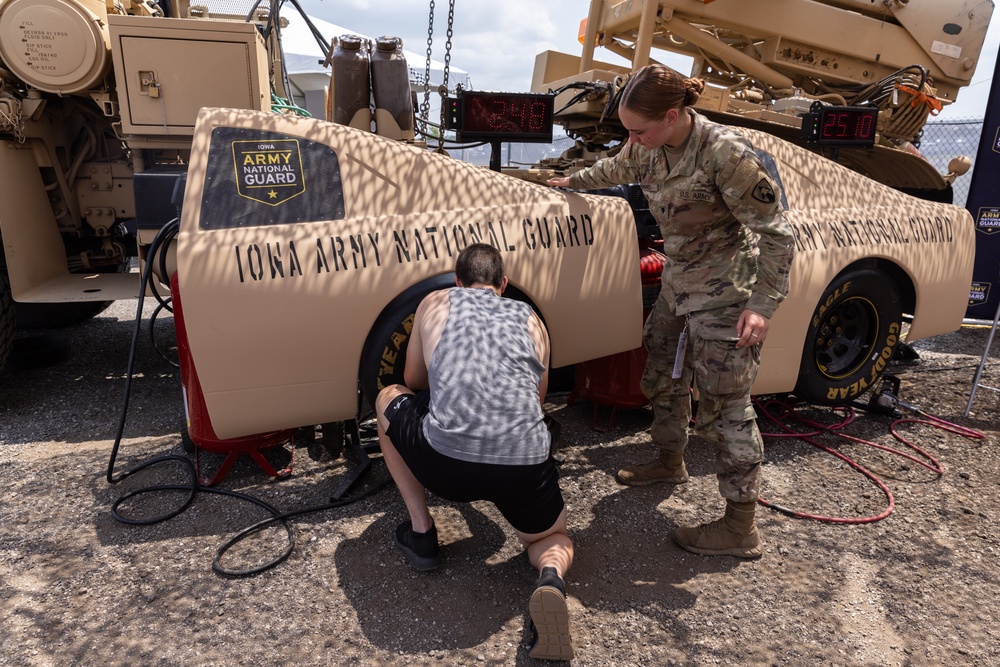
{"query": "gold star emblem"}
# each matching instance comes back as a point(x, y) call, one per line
point(272, 194)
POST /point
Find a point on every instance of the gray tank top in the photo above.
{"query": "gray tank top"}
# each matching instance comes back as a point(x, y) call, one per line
point(483, 377)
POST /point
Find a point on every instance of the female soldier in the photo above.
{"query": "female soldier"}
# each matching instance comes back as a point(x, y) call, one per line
point(729, 249)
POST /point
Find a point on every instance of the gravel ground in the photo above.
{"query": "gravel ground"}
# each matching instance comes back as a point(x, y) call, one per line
point(81, 588)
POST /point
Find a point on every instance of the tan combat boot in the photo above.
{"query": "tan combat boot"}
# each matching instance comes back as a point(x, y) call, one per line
point(668, 468)
point(735, 534)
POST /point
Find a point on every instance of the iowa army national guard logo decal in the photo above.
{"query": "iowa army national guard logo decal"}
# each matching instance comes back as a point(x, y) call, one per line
point(254, 178)
point(269, 172)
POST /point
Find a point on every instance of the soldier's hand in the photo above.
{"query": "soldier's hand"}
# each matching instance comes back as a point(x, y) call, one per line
point(751, 328)
point(558, 181)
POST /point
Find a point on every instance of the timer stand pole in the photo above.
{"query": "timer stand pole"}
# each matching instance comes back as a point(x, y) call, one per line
point(495, 148)
point(979, 372)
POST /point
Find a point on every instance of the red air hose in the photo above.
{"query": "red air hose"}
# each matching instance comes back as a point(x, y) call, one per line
point(787, 414)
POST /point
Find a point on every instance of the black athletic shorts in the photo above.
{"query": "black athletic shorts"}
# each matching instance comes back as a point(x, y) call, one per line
point(527, 496)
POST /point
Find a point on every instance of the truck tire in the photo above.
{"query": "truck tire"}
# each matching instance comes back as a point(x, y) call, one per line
point(852, 336)
point(384, 353)
point(58, 315)
point(6, 319)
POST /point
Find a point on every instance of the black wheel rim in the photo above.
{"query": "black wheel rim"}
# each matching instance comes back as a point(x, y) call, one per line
point(845, 337)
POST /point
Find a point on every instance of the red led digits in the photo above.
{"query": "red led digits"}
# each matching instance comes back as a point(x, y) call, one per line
point(841, 126)
point(540, 115)
point(848, 125)
point(517, 115)
point(498, 118)
point(833, 126)
point(866, 127)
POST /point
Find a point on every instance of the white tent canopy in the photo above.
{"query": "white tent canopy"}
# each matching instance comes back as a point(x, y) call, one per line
point(304, 63)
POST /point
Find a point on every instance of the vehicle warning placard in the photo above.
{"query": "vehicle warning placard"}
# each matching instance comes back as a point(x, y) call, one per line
point(261, 178)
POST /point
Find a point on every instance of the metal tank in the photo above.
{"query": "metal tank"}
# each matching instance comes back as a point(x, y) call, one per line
point(56, 46)
point(348, 100)
point(391, 87)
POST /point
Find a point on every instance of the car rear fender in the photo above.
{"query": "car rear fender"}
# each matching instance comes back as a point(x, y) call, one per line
point(283, 283)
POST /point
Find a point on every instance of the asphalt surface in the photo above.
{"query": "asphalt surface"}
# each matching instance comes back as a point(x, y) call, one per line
point(78, 587)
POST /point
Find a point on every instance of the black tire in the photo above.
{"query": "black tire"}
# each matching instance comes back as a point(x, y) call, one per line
point(7, 324)
point(58, 315)
point(852, 335)
point(39, 351)
point(384, 353)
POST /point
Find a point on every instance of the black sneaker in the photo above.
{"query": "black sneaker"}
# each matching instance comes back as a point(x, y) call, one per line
point(550, 618)
point(421, 549)
point(548, 577)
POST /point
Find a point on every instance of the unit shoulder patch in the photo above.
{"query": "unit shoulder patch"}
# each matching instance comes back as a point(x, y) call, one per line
point(763, 192)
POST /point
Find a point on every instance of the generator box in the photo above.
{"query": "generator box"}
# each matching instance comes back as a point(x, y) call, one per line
point(168, 69)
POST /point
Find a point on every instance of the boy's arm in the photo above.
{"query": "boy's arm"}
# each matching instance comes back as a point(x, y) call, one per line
point(540, 336)
point(415, 368)
point(428, 323)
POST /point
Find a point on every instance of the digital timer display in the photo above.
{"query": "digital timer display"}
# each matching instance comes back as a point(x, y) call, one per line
point(524, 117)
point(841, 126)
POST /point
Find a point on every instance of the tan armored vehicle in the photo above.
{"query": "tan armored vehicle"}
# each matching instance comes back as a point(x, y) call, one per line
point(304, 245)
point(851, 83)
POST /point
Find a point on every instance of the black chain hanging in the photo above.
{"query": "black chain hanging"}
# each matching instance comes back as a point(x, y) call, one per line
point(425, 106)
point(447, 46)
point(447, 68)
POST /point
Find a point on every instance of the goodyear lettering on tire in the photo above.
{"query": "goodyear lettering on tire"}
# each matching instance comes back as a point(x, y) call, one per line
point(830, 300)
point(392, 357)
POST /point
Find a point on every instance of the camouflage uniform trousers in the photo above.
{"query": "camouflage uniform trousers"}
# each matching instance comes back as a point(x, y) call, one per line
point(723, 376)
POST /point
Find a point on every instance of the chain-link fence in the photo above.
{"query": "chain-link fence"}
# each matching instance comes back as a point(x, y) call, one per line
point(941, 141)
point(515, 154)
point(944, 140)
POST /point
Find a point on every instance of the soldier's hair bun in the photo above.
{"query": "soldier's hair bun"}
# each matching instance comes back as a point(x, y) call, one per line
point(693, 89)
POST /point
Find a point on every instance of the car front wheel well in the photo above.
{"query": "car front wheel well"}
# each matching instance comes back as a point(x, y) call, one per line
point(899, 277)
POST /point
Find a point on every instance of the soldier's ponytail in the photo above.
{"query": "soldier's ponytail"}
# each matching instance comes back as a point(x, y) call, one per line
point(693, 89)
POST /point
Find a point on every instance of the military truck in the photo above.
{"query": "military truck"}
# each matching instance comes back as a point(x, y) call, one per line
point(92, 95)
point(851, 82)
point(769, 65)
point(304, 245)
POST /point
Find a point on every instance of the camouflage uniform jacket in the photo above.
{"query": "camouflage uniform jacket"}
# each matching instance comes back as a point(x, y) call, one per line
point(719, 211)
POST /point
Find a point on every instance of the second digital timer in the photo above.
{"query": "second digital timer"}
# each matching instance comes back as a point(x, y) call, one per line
point(851, 127)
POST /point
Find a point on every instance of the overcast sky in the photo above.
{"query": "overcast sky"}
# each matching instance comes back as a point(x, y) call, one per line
point(496, 42)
